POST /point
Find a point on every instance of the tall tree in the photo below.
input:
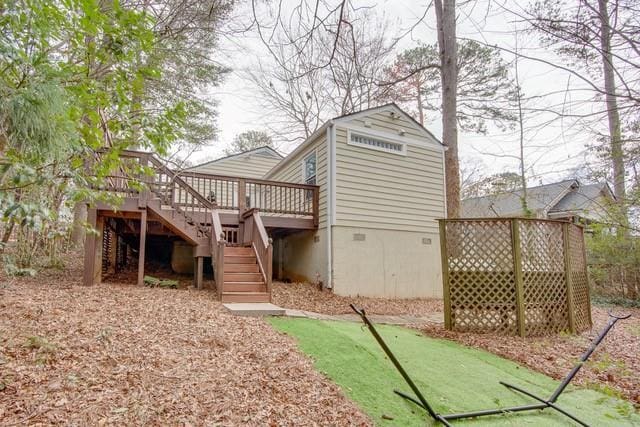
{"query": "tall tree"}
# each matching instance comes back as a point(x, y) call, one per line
point(598, 41)
point(484, 88)
point(448, 46)
point(249, 140)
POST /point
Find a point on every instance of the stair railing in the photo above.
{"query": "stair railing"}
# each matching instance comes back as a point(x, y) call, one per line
point(170, 187)
point(218, 243)
point(256, 235)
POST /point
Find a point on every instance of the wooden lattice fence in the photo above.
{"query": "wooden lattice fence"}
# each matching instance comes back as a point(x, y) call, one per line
point(514, 276)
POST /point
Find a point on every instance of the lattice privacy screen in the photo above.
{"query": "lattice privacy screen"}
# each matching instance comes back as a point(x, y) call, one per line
point(514, 276)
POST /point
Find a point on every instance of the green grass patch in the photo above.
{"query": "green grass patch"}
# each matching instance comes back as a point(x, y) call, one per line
point(454, 378)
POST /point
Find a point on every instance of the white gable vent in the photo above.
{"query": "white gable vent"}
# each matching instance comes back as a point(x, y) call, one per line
point(376, 143)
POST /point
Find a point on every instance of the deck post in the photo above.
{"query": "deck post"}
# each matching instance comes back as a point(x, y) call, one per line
point(141, 249)
point(90, 249)
point(198, 266)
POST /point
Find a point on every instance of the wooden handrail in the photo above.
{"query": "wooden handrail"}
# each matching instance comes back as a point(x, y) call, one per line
point(218, 243)
point(256, 235)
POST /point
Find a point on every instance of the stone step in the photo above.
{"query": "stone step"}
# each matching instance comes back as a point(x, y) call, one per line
point(254, 309)
point(242, 277)
point(245, 297)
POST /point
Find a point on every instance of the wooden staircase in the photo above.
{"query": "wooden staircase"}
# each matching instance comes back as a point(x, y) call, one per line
point(242, 272)
point(243, 281)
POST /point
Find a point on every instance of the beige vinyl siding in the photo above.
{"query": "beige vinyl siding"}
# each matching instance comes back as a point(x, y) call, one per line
point(380, 190)
point(252, 165)
point(383, 122)
point(292, 172)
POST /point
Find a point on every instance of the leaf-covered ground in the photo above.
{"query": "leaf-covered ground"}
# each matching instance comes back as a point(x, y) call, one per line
point(121, 354)
point(613, 369)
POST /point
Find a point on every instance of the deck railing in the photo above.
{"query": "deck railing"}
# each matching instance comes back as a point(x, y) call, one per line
point(241, 194)
point(196, 192)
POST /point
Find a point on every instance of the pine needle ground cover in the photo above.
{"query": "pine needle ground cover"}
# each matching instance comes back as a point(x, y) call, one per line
point(454, 378)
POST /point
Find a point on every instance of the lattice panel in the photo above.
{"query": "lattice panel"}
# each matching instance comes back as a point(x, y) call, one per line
point(579, 279)
point(481, 278)
point(543, 277)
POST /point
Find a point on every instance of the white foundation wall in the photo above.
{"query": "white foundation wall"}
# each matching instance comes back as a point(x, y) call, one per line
point(302, 257)
point(387, 263)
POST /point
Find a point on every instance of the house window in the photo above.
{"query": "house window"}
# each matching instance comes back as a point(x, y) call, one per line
point(376, 144)
point(309, 169)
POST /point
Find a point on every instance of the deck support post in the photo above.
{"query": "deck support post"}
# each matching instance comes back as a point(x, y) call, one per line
point(93, 250)
point(198, 273)
point(141, 250)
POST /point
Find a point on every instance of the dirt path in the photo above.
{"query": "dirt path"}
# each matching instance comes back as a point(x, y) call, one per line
point(120, 354)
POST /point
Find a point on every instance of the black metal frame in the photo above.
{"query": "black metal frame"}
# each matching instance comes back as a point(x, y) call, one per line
point(542, 402)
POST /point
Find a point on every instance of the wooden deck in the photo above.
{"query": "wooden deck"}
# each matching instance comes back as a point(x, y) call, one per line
point(207, 211)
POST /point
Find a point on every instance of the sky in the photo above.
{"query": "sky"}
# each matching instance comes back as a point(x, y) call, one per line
point(554, 148)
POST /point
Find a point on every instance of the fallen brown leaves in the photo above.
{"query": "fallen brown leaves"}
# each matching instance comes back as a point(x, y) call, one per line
point(303, 296)
point(122, 354)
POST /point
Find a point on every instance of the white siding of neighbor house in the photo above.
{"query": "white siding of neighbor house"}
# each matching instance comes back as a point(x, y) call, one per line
point(251, 165)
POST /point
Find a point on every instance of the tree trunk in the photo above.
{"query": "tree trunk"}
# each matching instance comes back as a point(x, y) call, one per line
point(446, 24)
point(420, 108)
point(617, 155)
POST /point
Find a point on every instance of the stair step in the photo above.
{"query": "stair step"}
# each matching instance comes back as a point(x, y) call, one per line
point(257, 287)
point(239, 259)
point(242, 277)
point(245, 297)
point(238, 251)
point(241, 268)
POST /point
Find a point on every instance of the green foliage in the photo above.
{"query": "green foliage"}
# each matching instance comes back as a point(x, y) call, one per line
point(484, 86)
point(249, 140)
point(614, 262)
point(79, 75)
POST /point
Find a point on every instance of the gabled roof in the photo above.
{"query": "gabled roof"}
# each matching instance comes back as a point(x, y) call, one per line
point(397, 109)
point(583, 197)
point(539, 199)
point(261, 151)
point(564, 197)
point(344, 118)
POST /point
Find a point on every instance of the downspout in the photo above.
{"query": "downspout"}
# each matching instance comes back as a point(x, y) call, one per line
point(331, 135)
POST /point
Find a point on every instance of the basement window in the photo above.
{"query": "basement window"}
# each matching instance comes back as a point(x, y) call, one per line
point(377, 143)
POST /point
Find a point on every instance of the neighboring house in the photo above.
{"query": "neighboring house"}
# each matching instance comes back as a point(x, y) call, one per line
point(250, 164)
point(381, 180)
point(565, 200)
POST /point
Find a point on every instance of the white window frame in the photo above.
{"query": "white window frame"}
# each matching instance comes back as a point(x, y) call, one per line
point(388, 139)
point(304, 169)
